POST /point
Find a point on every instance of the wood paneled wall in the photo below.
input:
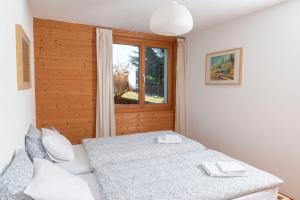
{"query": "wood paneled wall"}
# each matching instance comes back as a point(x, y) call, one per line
point(144, 121)
point(65, 78)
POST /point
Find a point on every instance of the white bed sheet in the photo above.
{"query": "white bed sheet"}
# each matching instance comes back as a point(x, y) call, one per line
point(80, 165)
point(96, 189)
point(269, 194)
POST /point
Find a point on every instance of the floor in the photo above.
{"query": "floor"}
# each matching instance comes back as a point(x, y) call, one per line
point(282, 197)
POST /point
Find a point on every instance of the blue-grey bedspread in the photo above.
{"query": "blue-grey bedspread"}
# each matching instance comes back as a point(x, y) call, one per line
point(165, 171)
point(135, 147)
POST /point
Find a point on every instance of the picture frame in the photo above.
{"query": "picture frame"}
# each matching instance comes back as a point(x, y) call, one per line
point(23, 59)
point(224, 67)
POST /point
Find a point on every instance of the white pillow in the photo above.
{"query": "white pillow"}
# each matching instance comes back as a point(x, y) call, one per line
point(57, 146)
point(52, 183)
point(56, 160)
point(80, 165)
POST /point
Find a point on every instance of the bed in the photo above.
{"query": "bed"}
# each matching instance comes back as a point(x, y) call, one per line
point(136, 167)
point(96, 189)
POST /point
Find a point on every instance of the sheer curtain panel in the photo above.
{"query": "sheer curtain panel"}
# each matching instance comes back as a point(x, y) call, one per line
point(105, 109)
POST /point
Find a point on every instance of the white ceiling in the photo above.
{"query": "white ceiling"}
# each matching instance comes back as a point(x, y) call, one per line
point(135, 14)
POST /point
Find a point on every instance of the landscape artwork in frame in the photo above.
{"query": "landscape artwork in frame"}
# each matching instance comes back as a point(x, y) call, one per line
point(224, 67)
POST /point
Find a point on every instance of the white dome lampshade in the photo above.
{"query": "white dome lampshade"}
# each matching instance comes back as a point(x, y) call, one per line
point(171, 20)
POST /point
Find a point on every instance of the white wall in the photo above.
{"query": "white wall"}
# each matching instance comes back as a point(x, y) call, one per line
point(17, 108)
point(259, 121)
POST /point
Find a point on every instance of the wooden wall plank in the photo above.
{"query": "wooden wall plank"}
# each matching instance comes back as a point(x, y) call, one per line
point(145, 121)
point(65, 78)
point(66, 74)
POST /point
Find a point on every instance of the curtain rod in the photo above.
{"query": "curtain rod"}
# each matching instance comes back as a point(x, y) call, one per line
point(117, 29)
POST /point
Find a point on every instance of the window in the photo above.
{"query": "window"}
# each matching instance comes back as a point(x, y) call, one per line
point(156, 75)
point(142, 72)
point(126, 67)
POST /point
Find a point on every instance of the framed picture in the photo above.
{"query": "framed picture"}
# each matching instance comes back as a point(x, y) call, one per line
point(23, 59)
point(224, 67)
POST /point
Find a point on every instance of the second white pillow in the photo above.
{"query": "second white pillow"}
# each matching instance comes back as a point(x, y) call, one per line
point(52, 183)
point(58, 146)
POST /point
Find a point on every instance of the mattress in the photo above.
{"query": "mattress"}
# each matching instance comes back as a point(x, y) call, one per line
point(96, 189)
point(80, 165)
point(269, 194)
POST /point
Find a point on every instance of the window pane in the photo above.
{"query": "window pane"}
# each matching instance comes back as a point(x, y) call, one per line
point(156, 75)
point(126, 68)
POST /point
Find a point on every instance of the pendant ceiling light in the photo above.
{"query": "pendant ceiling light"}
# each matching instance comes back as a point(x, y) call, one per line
point(171, 19)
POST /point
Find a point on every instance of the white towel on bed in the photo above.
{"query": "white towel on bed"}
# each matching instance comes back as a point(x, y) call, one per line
point(230, 166)
point(212, 169)
point(169, 139)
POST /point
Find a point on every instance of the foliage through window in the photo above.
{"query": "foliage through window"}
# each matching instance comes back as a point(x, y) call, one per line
point(126, 74)
point(156, 75)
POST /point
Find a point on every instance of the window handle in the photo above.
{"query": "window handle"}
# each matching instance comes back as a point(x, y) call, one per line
point(144, 78)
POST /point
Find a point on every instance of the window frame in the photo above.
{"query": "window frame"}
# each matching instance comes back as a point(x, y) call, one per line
point(142, 43)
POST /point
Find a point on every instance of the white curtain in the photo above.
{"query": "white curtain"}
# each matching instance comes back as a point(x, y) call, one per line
point(105, 109)
point(180, 110)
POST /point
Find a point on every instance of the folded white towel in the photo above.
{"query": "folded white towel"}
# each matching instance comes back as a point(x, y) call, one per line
point(230, 166)
point(169, 139)
point(213, 170)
